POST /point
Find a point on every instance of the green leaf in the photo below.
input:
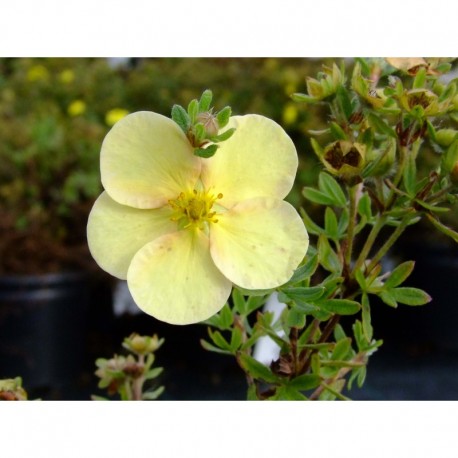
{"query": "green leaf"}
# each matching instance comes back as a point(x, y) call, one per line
point(448, 93)
point(298, 97)
point(410, 296)
point(343, 222)
point(337, 131)
point(305, 271)
point(223, 116)
point(193, 110)
point(330, 284)
point(344, 101)
point(388, 298)
point(450, 157)
point(207, 152)
point(287, 393)
point(366, 318)
point(443, 228)
point(329, 186)
point(219, 340)
point(254, 302)
point(327, 256)
point(400, 274)
point(364, 206)
point(199, 132)
point(256, 369)
point(340, 363)
point(209, 347)
point(181, 117)
point(153, 373)
point(316, 364)
point(311, 227)
point(205, 100)
point(380, 125)
point(239, 301)
point(295, 318)
point(154, 394)
point(236, 339)
point(340, 306)
point(410, 175)
point(360, 339)
point(420, 79)
point(330, 223)
point(305, 382)
point(361, 376)
point(303, 294)
point(341, 349)
point(226, 317)
point(361, 279)
point(339, 332)
point(316, 148)
point(316, 196)
point(224, 136)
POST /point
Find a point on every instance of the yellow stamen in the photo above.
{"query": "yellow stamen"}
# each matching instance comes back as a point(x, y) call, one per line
point(194, 208)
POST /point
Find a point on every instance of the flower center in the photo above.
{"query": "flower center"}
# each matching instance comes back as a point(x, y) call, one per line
point(194, 209)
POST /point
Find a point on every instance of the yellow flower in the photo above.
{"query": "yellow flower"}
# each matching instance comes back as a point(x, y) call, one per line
point(67, 76)
point(181, 229)
point(76, 108)
point(115, 115)
point(37, 73)
point(289, 114)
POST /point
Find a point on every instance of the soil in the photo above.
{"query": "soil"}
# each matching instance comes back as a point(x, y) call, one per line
point(36, 250)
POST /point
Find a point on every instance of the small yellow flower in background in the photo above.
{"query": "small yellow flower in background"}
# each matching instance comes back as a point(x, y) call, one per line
point(76, 108)
point(67, 76)
point(181, 229)
point(37, 73)
point(115, 115)
point(290, 113)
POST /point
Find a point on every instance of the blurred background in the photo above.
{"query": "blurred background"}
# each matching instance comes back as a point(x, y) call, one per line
point(59, 311)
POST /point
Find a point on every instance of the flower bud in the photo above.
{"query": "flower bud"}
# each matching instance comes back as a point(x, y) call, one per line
point(327, 83)
point(363, 87)
point(445, 137)
point(11, 390)
point(210, 123)
point(142, 345)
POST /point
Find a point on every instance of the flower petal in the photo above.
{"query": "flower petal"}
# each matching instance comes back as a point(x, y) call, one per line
point(175, 280)
point(258, 160)
point(259, 243)
point(116, 232)
point(146, 160)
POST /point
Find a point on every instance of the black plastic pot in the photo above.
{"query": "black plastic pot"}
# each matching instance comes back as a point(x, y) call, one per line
point(433, 326)
point(42, 330)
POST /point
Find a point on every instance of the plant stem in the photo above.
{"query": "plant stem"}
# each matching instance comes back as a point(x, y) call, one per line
point(380, 222)
point(352, 191)
point(137, 384)
point(359, 358)
point(403, 152)
point(389, 243)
